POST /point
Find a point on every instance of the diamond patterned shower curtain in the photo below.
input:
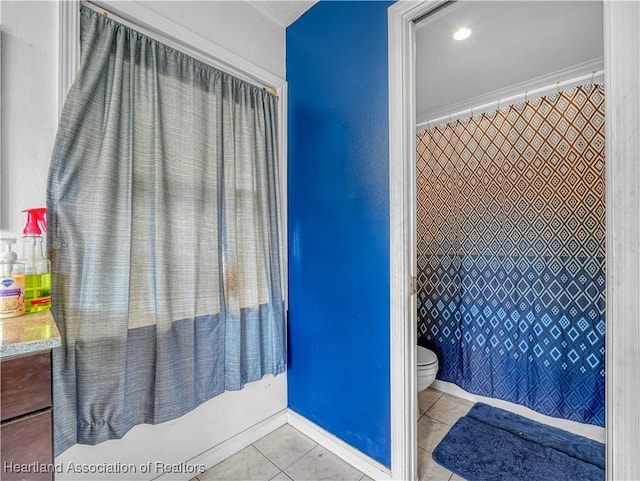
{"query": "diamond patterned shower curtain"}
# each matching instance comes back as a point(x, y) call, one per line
point(511, 252)
point(163, 216)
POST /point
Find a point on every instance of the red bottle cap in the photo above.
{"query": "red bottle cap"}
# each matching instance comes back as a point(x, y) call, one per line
point(35, 221)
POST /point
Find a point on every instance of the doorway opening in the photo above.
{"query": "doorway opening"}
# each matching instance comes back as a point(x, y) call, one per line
point(402, 49)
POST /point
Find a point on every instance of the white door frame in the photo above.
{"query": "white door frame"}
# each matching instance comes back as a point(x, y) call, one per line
point(402, 216)
point(622, 116)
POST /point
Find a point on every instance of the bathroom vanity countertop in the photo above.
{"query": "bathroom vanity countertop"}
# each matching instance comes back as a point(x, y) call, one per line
point(27, 334)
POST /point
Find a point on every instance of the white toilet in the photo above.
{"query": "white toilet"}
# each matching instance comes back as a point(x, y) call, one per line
point(427, 367)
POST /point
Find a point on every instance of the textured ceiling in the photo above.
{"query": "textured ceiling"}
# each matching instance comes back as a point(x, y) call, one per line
point(283, 12)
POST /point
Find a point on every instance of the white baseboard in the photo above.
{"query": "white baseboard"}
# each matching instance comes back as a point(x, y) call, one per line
point(222, 451)
point(348, 453)
point(590, 431)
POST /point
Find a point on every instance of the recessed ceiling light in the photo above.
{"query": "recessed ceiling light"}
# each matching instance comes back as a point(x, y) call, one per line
point(462, 33)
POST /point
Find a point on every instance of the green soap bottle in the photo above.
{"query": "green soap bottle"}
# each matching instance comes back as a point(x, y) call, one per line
point(37, 268)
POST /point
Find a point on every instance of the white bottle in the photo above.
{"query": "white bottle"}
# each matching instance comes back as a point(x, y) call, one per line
point(11, 281)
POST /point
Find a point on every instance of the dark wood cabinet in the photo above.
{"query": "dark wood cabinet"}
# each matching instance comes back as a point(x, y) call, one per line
point(26, 432)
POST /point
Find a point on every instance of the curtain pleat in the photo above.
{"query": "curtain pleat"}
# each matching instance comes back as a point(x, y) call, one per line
point(164, 241)
point(511, 252)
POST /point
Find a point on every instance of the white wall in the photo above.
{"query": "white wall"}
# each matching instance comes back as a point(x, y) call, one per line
point(181, 440)
point(29, 107)
point(29, 121)
point(30, 80)
point(234, 25)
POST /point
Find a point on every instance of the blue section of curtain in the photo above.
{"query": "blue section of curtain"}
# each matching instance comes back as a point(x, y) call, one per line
point(163, 216)
point(511, 252)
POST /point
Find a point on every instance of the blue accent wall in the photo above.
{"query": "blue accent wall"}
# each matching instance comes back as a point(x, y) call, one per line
point(338, 213)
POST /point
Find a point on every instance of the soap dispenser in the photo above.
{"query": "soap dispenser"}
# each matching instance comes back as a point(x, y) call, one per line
point(12, 282)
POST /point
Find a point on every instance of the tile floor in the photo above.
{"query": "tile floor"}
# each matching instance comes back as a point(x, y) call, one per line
point(438, 412)
point(288, 455)
point(283, 455)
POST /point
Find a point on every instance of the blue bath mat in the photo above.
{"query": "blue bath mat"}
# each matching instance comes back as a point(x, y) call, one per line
point(490, 444)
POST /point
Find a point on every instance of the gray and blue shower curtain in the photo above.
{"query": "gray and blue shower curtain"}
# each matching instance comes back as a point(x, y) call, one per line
point(164, 236)
point(511, 252)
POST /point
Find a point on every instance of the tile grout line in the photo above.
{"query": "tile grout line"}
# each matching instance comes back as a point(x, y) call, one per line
point(330, 454)
point(279, 473)
point(291, 463)
point(294, 462)
point(268, 460)
point(436, 419)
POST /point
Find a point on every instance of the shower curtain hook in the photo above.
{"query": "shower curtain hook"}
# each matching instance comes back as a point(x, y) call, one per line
point(558, 86)
point(526, 95)
point(593, 74)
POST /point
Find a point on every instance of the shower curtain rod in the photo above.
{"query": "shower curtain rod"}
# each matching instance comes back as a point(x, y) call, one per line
point(594, 77)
